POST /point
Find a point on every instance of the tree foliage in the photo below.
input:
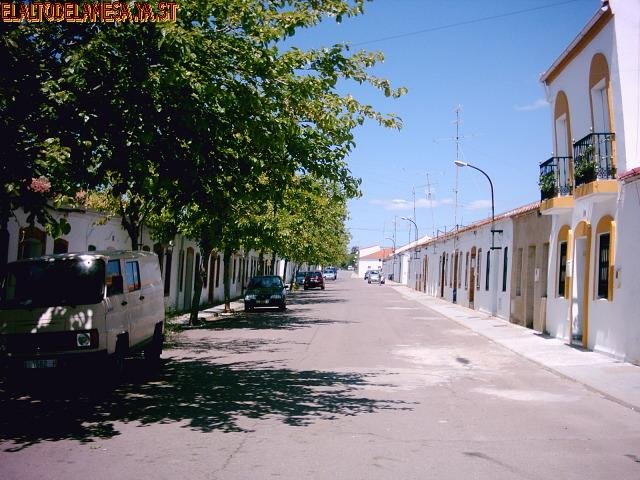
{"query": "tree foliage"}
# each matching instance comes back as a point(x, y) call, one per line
point(213, 126)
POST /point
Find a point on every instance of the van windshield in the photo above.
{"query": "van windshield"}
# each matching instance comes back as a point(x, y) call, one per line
point(53, 282)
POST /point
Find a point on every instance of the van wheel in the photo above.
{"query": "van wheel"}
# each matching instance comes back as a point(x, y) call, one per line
point(153, 351)
point(115, 364)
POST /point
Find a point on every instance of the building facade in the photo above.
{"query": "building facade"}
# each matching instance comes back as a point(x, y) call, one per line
point(588, 187)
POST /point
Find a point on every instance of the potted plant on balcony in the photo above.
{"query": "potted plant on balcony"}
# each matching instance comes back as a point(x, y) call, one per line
point(547, 184)
point(585, 166)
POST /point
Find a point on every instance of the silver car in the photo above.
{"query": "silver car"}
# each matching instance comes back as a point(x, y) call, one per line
point(375, 277)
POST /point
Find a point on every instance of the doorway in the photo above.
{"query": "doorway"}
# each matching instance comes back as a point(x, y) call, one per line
point(529, 288)
point(579, 314)
point(188, 279)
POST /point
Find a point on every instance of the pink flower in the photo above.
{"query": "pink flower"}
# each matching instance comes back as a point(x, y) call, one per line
point(40, 185)
point(81, 195)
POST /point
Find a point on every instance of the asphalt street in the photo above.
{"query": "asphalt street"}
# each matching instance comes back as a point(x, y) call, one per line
point(353, 382)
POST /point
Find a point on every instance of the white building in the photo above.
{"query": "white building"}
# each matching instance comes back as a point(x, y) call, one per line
point(370, 258)
point(590, 185)
point(93, 231)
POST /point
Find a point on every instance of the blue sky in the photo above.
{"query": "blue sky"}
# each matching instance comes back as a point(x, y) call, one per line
point(491, 68)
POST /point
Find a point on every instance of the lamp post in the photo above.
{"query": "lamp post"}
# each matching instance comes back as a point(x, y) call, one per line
point(494, 296)
point(460, 163)
point(393, 265)
point(415, 225)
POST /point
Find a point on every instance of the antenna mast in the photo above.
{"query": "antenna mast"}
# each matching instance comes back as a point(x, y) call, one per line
point(455, 188)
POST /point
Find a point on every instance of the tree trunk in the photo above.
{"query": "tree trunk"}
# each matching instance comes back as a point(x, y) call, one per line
point(132, 224)
point(284, 274)
point(205, 246)
point(273, 263)
point(226, 278)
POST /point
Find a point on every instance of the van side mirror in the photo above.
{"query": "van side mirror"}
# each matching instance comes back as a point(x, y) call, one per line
point(116, 287)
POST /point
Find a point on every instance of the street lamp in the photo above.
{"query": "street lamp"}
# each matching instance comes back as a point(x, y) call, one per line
point(415, 225)
point(460, 163)
point(394, 243)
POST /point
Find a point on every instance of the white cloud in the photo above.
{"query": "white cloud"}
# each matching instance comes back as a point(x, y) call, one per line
point(402, 204)
point(478, 205)
point(537, 105)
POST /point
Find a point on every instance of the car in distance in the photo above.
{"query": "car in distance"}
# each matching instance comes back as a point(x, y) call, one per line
point(366, 274)
point(329, 274)
point(265, 291)
point(375, 277)
point(350, 268)
point(313, 280)
point(300, 277)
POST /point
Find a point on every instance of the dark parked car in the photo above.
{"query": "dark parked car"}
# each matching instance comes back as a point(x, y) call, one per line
point(313, 280)
point(265, 291)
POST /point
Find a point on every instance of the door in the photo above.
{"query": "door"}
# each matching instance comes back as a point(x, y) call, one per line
point(578, 316)
point(188, 289)
point(529, 288)
point(472, 277)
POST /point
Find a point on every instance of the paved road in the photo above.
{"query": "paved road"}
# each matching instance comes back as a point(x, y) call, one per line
point(354, 382)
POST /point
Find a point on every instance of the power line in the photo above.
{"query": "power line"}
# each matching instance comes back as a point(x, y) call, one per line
point(466, 22)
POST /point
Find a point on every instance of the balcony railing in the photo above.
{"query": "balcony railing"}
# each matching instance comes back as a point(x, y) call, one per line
point(555, 178)
point(593, 158)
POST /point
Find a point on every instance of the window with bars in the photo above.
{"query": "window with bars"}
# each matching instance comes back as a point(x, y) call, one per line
point(603, 266)
point(505, 264)
point(562, 268)
point(486, 276)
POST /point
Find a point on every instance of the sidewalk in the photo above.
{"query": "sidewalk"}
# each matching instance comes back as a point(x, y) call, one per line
point(209, 314)
point(615, 380)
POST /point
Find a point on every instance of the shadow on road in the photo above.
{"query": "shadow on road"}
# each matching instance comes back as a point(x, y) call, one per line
point(203, 396)
point(268, 319)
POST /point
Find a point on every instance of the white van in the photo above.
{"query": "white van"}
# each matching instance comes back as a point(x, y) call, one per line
point(62, 310)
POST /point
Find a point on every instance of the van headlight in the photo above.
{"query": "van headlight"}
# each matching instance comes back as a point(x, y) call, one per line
point(276, 296)
point(250, 297)
point(83, 340)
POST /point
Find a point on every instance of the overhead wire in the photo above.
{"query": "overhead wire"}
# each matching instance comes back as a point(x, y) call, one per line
point(463, 23)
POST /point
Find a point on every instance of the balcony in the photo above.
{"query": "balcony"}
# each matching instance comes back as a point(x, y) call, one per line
point(556, 187)
point(594, 166)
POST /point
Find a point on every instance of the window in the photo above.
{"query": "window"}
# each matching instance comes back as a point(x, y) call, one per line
point(91, 248)
point(466, 271)
point(198, 269)
point(459, 269)
point(217, 271)
point(113, 270)
point(167, 274)
point(603, 266)
point(180, 269)
point(60, 245)
point(133, 276)
point(233, 276)
point(505, 264)
point(158, 249)
point(32, 243)
point(562, 269)
point(486, 277)
point(479, 269)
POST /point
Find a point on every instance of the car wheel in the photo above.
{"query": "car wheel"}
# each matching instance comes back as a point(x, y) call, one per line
point(282, 307)
point(306, 288)
point(322, 287)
